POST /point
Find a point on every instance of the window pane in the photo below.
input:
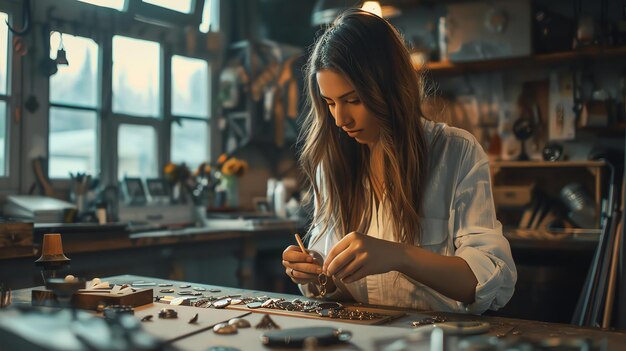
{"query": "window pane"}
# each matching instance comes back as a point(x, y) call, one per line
point(76, 83)
point(136, 79)
point(4, 35)
point(210, 16)
point(114, 4)
point(137, 151)
point(190, 142)
point(183, 6)
point(3, 138)
point(72, 143)
point(190, 84)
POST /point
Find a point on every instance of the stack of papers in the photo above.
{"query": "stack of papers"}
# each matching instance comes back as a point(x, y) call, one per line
point(40, 209)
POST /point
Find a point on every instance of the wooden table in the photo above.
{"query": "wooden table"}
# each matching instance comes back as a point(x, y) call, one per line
point(200, 336)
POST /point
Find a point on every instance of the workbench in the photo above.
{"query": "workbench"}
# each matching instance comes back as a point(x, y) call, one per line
point(200, 336)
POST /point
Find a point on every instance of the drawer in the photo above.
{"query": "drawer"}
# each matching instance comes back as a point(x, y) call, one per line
point(513, 195)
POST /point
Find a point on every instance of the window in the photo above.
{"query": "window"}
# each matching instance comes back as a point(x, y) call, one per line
point(137, 151)
point(190, 110)
point(183, 6)
point(119, 5)
point(4, 63)
point(210, 16)
point(73, 140)
point(190, 87)
point(136, 78)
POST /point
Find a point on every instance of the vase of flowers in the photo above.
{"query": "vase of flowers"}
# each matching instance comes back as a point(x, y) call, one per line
point(231, 168)
point(177, 176)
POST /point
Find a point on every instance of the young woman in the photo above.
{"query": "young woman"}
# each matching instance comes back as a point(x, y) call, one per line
point(404, 214)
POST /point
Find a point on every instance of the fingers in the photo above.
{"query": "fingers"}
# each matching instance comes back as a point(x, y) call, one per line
point(295, 274)
point(310, 268)
point(348, 269)
point(294, 254)
point(340, 262)
point(342, 245)
point(301, 267)
point(300, 277)
point(359, 273)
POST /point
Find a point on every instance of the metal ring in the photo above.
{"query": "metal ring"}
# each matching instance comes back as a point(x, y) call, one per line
point(291, 273)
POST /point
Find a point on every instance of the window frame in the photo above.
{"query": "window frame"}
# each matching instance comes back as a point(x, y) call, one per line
point(10, 182)
point(162, 16)
point(33, 139)
point(97, 109)
point(118, 119)
point(209, 120)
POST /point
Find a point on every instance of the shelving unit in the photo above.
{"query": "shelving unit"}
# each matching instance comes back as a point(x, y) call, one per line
point(550, 177)
point(451, 68)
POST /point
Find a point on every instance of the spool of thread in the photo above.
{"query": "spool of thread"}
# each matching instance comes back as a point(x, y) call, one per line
point(52, 251)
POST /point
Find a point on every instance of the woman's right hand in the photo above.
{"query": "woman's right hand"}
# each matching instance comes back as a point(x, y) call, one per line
point(301, 267)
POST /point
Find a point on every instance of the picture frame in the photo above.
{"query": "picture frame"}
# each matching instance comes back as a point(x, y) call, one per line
point(158, 189)
point(134, 191)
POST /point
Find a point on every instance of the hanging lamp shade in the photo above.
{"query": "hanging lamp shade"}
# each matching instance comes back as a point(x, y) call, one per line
point(325, 11)
point(61, 57)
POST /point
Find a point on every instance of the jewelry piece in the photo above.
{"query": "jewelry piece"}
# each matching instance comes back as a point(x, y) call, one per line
point(224, 328)
point(428, 320)
point(254, 305)
point(239, 323)
point(267, 323)
point(291, 272)
point(178, 301)
point(194, 319)
point(146, 318)
point(168, 313)
point(323, 280)
point(184, 286)
point(221, 303)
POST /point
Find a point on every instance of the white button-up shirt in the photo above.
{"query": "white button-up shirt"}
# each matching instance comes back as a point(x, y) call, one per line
point(458, 220)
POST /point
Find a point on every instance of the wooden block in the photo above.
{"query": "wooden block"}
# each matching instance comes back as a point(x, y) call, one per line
point(89, 300)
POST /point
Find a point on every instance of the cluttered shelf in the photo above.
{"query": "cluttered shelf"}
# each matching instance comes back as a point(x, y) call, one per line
point(546, 164)
point(447, 67)
point(544, 201)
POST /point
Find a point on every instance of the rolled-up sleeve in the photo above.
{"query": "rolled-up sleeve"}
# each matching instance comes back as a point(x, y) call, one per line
point(478, 237)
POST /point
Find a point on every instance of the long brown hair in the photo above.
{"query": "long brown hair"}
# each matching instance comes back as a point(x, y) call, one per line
point(370, 53)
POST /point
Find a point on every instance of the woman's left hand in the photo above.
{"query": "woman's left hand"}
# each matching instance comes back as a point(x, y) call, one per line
point(358, 255)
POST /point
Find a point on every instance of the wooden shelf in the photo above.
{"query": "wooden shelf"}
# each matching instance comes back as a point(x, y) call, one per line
point(546, 164)
point(449, 68)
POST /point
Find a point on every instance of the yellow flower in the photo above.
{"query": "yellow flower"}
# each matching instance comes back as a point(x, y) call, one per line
point(234, 166)
point(169, 168)
point(222, 159)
